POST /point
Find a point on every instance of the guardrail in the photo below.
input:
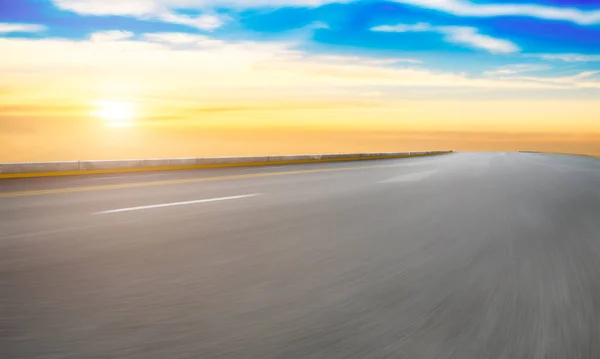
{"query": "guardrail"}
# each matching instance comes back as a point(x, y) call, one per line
point(70, 168)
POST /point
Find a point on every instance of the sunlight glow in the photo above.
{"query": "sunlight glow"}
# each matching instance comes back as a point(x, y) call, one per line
point(116, 113)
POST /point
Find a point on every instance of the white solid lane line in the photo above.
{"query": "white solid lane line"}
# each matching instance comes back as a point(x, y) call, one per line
point(177, 204)
point(411, 177)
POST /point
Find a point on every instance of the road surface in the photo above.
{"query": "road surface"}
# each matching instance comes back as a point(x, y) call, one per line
point(483, 255)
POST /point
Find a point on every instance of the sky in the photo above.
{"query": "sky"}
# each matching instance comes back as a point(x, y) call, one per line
point(115, 79)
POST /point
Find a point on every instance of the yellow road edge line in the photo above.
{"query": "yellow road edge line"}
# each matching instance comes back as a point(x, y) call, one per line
point(190, 167)
point(187, 180)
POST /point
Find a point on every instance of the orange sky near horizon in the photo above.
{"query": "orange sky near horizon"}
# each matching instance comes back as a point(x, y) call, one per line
point(33, 138)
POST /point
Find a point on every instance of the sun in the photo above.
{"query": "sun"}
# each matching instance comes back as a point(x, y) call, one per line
point(115, 113)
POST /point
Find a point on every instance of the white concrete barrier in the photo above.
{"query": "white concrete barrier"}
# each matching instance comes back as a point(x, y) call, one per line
point(232, 160)
point(34, 167)
point(169, 162)
point(296, 158)
point(110, 165)
point(41, 169)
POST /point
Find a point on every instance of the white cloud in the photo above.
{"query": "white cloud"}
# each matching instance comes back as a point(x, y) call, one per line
point(206, 22)
point(181, 38)
point(159, 67)
point(254, 3)
point(408, 61)
point(584, 79)
point(462, 35)
point(317, 25)
point(456, 7)
point(166, 10)
point(111, 7)
point(112, 35)
point(517, 69)
point(364, 60)
point(209, 4)
point(470, 36)
point(146, 9)
point(468, 8)
point(6, 28)
point(418, 27)
point(571, 57)
point(586, 74)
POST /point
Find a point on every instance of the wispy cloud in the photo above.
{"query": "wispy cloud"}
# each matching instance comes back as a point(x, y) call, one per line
point(113, 35)
point(517, 69)
point(157, 65)
point(146, 9)
point(364, 60)
point(182, 38)
point(263, 3)
point(462, 35)
point(418, 27)
point(582, 80)
point(6, 28)
point(470, 36)
point(140, 7)
point(167, 10)
point(110, 7)
point(571, 57)
point(208, 22)
point(469, 8)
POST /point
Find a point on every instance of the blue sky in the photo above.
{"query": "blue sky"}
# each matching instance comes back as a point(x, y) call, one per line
point(343, 27)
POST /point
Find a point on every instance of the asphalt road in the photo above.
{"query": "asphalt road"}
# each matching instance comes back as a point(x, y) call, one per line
point(457, 256)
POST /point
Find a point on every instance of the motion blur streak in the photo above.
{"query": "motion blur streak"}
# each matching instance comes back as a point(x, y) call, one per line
point(459, 256)
point(186, 180)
